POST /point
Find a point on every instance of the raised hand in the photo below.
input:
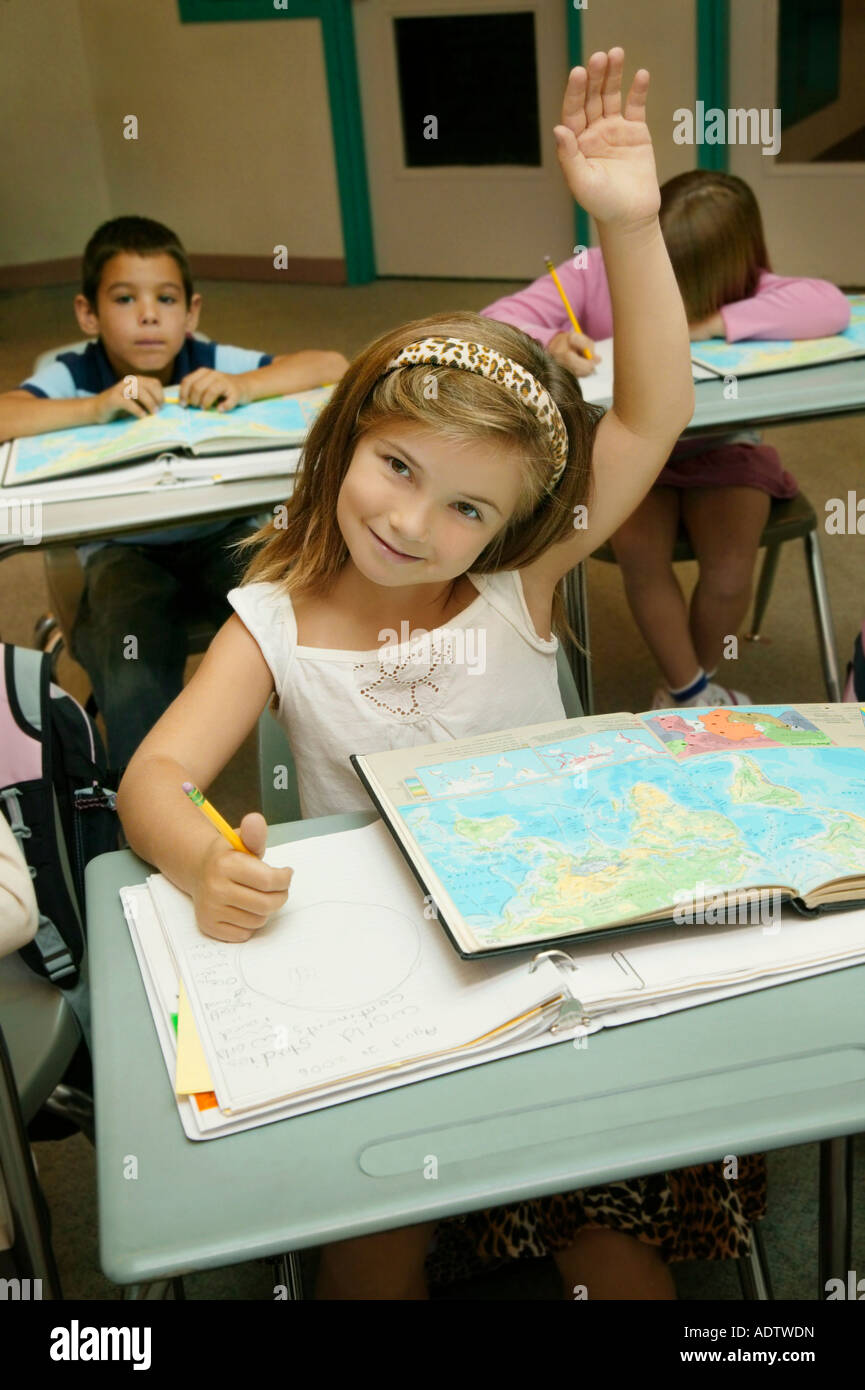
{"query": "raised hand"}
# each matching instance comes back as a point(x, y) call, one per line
point(605, 152)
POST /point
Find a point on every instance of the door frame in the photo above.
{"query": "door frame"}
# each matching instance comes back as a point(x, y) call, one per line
point(340, 61)
point(340, 57)
point(713, 72)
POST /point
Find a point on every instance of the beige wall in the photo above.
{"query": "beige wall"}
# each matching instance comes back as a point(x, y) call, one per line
point(234, 151)
point(235, 147)
point(661, 37)
point(54, 185)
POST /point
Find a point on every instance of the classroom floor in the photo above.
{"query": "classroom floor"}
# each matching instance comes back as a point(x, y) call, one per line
point(825, 456)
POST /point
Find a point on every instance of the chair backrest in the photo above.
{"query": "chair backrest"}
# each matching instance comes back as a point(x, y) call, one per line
point(567, 685)
point(280, 799)
point(42, 1035)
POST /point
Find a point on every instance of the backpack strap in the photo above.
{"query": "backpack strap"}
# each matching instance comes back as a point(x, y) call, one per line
point(56, 957)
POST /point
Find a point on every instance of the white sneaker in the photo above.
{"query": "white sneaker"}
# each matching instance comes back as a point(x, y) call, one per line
point(720, 695)
point(712, 694)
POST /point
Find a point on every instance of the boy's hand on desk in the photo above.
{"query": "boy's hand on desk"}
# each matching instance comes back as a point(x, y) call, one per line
point(204, 387)
point(236, 893)
point(567, 349)
point(605, 152)
point(132, 395)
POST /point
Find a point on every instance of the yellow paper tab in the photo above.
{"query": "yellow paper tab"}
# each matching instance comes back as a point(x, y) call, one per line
point(193, 1073)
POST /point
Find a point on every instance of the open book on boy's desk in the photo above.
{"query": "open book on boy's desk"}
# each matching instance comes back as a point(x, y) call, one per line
point(251, 432)
point(561, 831)
point(353, 988)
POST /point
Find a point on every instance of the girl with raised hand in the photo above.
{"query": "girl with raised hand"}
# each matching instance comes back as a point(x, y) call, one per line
point(438, 489)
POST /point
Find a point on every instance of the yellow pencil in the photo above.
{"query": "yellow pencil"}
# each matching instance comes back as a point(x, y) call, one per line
point(571, 315)
point(199, 799)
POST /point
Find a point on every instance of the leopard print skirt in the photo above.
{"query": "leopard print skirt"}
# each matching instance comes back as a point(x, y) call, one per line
point(689, 1214)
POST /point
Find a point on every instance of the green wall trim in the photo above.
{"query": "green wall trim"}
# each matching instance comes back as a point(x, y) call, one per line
point(212, 11)
point(713, 72)
point(340, 59)
point(340, 62)
point(582, 222)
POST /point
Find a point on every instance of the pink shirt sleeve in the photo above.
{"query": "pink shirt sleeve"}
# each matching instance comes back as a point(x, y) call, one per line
point(538, 310)
point(787, 307)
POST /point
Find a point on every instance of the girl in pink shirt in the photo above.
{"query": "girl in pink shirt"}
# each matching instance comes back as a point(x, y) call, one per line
point(720, 488)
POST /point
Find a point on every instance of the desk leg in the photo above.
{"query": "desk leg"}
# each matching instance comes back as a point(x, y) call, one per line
point(577, 609)
point(149, 1292)
point(289, 1272)
point(836, 1211)
point(823, 614)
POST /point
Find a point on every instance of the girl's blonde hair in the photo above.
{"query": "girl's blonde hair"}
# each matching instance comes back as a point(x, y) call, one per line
point(302, 548)
point(713, 232)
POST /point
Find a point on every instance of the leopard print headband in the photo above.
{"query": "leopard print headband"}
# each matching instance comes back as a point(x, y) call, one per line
point(474, 357)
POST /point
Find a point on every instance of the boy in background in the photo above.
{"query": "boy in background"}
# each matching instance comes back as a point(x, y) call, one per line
point(137, 300)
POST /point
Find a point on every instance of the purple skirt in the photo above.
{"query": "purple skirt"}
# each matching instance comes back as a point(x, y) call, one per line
point(731, 465)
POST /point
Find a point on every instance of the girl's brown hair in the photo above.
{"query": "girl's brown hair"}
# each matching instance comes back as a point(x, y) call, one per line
point(713, 231)
point(302, 548)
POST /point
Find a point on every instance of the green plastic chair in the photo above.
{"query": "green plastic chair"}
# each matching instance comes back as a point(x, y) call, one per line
point(790, 519)
point(39, 1036)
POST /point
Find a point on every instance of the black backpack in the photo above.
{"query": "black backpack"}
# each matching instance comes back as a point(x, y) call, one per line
point(56, 795)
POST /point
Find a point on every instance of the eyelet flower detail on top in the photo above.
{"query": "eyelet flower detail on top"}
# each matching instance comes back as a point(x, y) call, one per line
point(408, 681)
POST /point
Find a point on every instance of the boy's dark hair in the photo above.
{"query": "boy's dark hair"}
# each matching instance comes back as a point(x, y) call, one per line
point(138, 236)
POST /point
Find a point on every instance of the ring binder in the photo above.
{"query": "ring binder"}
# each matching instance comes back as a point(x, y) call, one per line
point(548, 955)
point(572, 1011)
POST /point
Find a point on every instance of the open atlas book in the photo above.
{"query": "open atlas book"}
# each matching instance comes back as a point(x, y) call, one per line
point(352, 987)
point(268, 424)
point(558, 832)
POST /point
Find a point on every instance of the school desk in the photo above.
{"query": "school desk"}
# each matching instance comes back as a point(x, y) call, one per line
point(836, 388)
point(774, 1068)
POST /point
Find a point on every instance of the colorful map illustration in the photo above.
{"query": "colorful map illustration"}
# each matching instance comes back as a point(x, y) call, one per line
point(556, 856)
point(734, 728)
point(264, 424)
point(498, 771)
point(751, 358)
point(802, 808)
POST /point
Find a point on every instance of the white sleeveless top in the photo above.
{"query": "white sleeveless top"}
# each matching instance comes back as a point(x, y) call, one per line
point(486, 669)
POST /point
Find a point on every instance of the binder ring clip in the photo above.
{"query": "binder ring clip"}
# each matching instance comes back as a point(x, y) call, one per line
point(167, 477)
point(557, 957)
point(572, 1011)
